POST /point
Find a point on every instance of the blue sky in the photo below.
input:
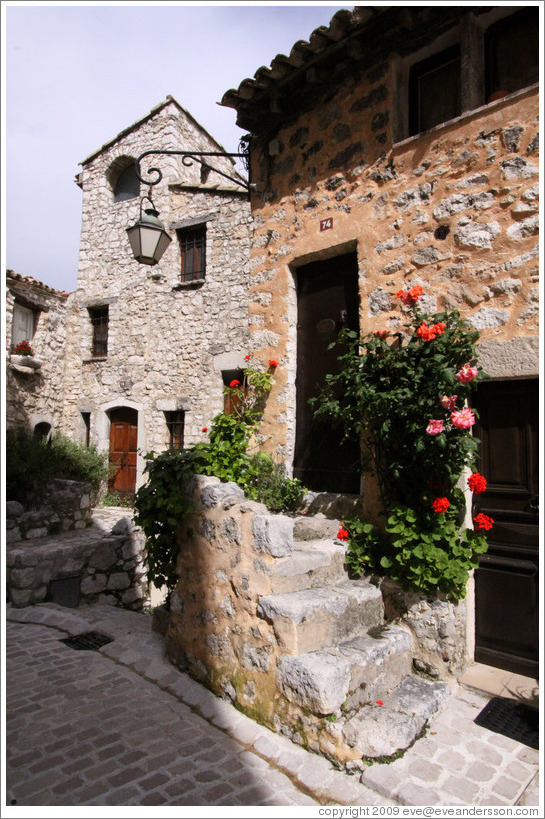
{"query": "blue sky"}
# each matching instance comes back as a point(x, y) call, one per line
point(77, 74)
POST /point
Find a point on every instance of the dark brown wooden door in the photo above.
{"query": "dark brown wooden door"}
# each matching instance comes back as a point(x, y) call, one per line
point(506, 582)
point(123, 448)
point(327, 301)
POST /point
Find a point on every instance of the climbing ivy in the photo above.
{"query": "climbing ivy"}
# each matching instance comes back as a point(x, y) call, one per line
point(161, 505)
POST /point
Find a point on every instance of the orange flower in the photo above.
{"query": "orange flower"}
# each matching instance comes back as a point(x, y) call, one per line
point(425, 333)
point(410, 296)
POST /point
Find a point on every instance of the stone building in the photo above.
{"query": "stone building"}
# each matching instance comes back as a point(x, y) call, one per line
point(35, 313)
point(399, 146)
point(148, 348)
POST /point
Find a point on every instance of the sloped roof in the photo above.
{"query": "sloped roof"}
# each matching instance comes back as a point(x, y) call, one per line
point(21, 283)
point(304, 55)
point(170, 100)
point(353, 40)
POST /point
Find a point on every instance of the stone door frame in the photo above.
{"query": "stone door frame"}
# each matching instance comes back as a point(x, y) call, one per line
point(103, 432)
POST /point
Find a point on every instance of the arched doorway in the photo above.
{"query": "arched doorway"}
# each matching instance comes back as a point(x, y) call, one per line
point(123, 451)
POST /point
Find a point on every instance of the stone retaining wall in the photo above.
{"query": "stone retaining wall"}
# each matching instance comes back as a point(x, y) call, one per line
point(103, 567)
point(58, 506)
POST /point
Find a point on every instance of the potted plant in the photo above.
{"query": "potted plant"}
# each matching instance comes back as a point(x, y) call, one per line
point(22, 354)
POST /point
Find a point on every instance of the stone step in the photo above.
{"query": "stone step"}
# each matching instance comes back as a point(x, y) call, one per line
point(315, 528)
point(311, 619)
point(387, 729)
point(312, 563)
point(358, 671)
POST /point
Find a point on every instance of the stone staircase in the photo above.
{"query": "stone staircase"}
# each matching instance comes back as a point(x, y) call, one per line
point(340, 661)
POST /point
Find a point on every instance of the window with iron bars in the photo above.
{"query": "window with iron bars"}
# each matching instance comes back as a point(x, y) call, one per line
point(99, 320)
point(175, 425)
point(193, 253)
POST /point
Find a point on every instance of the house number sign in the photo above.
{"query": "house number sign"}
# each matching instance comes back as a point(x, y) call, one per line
point(326, 224)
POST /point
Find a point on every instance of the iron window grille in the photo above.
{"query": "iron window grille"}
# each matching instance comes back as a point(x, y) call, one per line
point(99, 321)
point(175, 425)
point(193, 253)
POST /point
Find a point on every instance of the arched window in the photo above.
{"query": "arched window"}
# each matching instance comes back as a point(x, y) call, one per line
point(127, 185)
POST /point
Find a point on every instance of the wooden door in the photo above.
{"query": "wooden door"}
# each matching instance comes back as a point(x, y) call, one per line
point(327, 301)
point(506, 582)
point(123, 449)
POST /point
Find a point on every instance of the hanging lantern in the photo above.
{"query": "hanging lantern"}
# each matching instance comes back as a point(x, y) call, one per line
point(148, 237)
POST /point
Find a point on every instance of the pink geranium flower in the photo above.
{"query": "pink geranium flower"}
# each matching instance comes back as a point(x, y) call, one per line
point(448, 402)
point(434, 427)
point(467, 373)
point(462, 419)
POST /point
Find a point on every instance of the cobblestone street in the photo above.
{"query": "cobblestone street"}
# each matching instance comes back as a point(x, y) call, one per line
point(120, 726)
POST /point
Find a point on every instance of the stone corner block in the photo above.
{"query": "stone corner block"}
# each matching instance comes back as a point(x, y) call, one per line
point(273, 534)
point(213, 494)
point(318, 681)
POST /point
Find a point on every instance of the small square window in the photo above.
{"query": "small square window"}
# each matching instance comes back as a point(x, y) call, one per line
point(435, 90)
point(99, 320)
point(193, 253)
point(175, 425)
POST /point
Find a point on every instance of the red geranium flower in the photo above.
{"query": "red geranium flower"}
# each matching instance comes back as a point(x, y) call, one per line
point(440, 505)
point(205, 429)
point(342, 534)
point(234, 383)
point(379, 702)
point(477, 483)
point(246, 358)
point(382, 334)
point(483, 521)
point(273, 363)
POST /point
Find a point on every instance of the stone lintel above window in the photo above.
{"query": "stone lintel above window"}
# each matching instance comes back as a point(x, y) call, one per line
point(173, 404)
point(99, 302)
point(193, 221)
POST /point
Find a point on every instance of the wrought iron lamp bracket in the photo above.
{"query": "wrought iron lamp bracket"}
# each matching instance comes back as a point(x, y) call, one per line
point(188, 157)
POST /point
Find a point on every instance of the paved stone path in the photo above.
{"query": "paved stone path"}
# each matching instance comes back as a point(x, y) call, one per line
point(121, 726)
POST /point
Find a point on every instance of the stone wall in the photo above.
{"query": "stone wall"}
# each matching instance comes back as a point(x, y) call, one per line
point(439, 629)
point(168, 341)
point(93, 565)
point(32, 393)
point(454, 209)
point(57, 506)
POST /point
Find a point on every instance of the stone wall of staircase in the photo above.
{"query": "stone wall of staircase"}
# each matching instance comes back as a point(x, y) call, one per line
point(265, 614)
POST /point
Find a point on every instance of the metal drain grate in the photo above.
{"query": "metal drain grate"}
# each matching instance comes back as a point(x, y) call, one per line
point(89, 641)
point(512, 719)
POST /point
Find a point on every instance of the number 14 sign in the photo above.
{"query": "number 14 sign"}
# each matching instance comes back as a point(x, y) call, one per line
point(326, 224)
